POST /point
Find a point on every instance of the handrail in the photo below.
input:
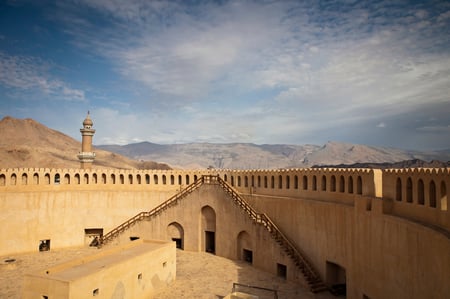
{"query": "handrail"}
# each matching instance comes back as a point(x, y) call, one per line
point(259, 218)
point(288, 243)
point(113, 233)
point(263, 219)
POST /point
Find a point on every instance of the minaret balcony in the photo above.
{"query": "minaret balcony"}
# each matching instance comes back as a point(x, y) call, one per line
point(86, 156)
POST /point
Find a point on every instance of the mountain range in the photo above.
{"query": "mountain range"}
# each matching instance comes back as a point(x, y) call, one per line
point(271, 156)
point(27, 143)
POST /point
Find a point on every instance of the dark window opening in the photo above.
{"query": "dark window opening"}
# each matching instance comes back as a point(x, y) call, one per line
point(336, 279)
point(133, 238)
point(210, 243)
point(139, 276)
point(92, 236)
point(44, 245)
point(57, 179)
point(369, 205)
point(282, 271)
point(248, 256)
point(95, 292)
point(178, 243)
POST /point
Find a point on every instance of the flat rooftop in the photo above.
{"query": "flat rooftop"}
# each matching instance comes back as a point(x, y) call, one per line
point(102, 260)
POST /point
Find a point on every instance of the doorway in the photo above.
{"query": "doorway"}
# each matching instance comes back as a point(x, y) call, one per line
point(336, 279)
point(175, 233)
point(178, 243)
point(247, 255)
point(210, 242)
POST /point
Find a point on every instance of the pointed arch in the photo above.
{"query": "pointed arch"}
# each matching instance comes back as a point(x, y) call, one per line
point(443, 200)
point(208, 228)
point(324, 183)
point(66, 179)
point(420, 192)
point(432, 194)
point(398, 189)
point(333, 184)
point(359, 185)
point(175, 232)
point(409, 190)
point(244, 247)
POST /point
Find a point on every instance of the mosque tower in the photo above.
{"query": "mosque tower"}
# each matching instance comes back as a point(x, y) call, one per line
point(86, 156)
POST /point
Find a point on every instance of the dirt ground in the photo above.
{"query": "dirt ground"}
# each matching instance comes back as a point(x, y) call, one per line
point(199, 275)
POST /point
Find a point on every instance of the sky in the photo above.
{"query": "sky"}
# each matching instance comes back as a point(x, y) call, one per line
point(264, 72)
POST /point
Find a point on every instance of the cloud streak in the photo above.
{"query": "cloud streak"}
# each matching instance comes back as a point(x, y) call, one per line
point(29, 74)
point(258, 71)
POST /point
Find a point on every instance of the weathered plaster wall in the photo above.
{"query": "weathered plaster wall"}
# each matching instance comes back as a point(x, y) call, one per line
point(392, 238)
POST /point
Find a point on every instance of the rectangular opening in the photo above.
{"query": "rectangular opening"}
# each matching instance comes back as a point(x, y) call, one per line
point(178, 243)
point(139, 276)
point(44, 245)
point(95, 292)
point(336, 279)
point(247, 255)
point(210, 242)
point(369, 204)
point(282, 271)
point(91, 236)
point(134, 238)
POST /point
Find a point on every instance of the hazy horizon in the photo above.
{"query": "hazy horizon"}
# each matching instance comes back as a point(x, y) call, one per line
point(262, 72)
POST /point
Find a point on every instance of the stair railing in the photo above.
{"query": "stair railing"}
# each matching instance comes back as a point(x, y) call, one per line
point(276, 233)
point(142, 215)
point(262, 219)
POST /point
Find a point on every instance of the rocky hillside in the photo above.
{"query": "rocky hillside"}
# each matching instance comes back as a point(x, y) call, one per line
point(270, 156)
point(27, 143)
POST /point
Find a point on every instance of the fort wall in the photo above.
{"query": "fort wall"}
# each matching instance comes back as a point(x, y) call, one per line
point(387, 231)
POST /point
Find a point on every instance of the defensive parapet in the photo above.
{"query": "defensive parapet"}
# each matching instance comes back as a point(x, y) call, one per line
point(329, 184)
point(418, 194)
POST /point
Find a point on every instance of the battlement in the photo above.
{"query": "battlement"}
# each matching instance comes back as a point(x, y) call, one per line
point(419, 194)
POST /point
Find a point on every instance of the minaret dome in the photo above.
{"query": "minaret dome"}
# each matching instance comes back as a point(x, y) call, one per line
point(86, 156)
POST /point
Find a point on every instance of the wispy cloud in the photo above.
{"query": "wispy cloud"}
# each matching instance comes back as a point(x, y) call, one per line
point(261, 71)
point(25, 73)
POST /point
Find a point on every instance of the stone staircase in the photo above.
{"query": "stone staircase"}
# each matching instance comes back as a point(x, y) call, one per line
point(311, 276)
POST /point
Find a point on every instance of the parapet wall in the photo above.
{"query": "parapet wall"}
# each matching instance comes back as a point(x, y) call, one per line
point(415, 194)
point(418, 194)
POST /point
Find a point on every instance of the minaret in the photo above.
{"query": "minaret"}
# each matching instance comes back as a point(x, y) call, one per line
point(86, 156)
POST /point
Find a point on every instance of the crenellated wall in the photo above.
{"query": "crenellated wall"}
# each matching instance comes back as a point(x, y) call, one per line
point(389, 229)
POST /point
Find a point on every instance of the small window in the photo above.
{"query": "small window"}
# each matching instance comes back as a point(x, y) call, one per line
point(164, 264)
point(95, 292)
point(44, 297)
point(282, 271)
point(44, 245)
point(140, 276)
point(248, 256)
point(133, 238)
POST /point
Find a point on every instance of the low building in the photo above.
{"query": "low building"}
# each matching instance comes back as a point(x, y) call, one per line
point(135, 270)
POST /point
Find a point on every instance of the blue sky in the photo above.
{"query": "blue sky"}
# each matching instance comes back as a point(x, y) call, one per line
point(294, 72)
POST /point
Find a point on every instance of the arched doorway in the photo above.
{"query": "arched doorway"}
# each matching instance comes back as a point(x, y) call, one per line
point(244, 247)
point(208, 229)
point(175, 232)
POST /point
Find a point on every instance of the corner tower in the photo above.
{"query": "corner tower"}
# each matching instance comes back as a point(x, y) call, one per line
point(86, 156)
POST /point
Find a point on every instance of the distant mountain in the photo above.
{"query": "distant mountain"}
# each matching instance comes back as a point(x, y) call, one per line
point(271, 156)
point(27, 143)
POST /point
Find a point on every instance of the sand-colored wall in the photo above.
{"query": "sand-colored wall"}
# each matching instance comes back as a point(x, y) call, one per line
point(134, 270)
point(390, 245)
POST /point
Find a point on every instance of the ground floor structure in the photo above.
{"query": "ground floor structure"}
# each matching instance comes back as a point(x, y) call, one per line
point(199, 275)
